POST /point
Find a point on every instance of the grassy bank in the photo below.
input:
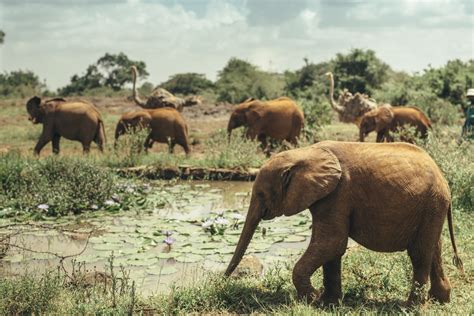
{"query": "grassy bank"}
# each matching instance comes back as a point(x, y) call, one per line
point(372, 282)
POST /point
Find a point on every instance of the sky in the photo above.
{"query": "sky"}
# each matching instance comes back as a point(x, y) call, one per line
point(59, 38)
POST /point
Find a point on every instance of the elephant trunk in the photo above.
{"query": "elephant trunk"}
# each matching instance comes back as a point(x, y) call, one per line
point(361, 135)
point(251, 223)
point(335, 106)
point(136, 98)
point(230, 127)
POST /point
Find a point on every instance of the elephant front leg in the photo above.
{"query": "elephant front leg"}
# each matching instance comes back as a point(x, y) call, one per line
point(332, 282)
point(42, 141)
point(56, 139)
point(319, 253)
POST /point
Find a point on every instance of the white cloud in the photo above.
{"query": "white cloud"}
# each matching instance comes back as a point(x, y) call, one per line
point(58, 40)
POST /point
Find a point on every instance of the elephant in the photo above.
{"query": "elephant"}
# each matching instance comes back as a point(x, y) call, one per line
point(387, 197)
point(350, 107)
point(132, 121)
point(74, 120)
point(280, 119)
point(161, 97)
point(166, 126)
point(387, 118)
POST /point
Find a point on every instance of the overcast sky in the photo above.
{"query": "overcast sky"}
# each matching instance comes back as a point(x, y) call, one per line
point(59, 38)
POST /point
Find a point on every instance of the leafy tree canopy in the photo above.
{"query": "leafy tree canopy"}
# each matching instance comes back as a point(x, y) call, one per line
point(20, 83)
point(112, 71)
point(187, 83)
point(239, 80)
point(360, 71)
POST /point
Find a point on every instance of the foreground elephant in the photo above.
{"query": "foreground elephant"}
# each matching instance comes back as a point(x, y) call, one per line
point(160, 97)
point(74, 120)
point(387, 197)
point(386, 118)
point(349, 107)
point(280, 119)
point(166, 125)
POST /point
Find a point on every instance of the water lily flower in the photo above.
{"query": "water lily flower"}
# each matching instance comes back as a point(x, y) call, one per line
point(168, 232)
point(43, 207)
point(208, 223)
point(94, 207)
point(169, 240)
point(237, 216)
point(221, 221)
point(109, 202)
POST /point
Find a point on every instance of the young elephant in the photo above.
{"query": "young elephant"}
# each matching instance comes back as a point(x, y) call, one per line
point(280, 119)
point(166, 125)
point(132, 121)
point(386, 118)
point(408, 203)
point(74, 120)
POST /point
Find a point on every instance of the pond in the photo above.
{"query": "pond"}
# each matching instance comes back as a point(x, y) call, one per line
point(180, 232)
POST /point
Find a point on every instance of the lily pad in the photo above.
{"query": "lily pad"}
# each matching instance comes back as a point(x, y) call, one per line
point(189, 258)
point(107, 246)
point(16, 258)
point(295, 238)
point(167, 255)
point(163, 270)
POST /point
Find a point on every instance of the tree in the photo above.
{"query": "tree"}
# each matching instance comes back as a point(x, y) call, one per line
point(116, 70)
point(239, 80)
point(2, 36)
point(187, 83)
point(360, 71)
point(110, 70)
point(20, 83)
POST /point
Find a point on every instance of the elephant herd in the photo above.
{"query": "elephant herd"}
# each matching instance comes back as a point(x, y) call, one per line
point(387, 197)
point(279, 119)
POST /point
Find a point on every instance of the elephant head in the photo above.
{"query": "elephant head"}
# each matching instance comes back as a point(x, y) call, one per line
point(349, 107)
point(36, 109)
point(238, 117)
point(378, 120)
point(287, 184)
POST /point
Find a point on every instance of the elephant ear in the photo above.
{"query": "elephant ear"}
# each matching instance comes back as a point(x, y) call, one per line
point(309, 179)
point(383, 118)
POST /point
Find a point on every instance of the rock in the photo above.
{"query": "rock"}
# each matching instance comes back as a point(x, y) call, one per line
point(249, 266)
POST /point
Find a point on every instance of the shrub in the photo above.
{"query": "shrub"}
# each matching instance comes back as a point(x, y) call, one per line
point(238, 152)
point(55, 186)
point(457, 163)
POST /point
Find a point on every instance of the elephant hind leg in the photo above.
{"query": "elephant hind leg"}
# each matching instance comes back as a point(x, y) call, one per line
point(440, 287)
point(86, 147)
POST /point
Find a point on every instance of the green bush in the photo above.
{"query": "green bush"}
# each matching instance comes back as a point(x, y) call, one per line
point(53, 186)
point(457, 163)
point(240, 80)
point(239, 152)
point(317, 113)
point(187, 83)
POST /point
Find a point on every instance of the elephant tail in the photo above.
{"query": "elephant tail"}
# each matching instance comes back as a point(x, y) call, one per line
point(101, 131)
point(456, 259)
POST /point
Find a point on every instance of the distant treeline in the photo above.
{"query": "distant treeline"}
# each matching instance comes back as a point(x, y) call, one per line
point(439, 91)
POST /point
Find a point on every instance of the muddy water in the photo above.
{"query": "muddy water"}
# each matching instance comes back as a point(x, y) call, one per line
point(201, 221)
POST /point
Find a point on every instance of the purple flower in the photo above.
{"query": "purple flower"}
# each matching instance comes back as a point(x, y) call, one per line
point(221, 221)
point(169, 240)
point(167, 233)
